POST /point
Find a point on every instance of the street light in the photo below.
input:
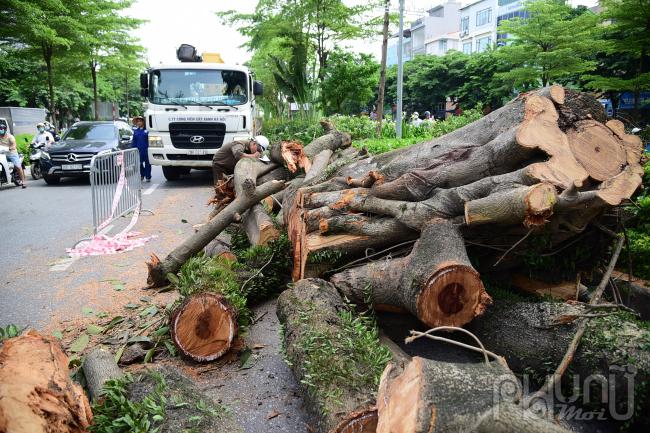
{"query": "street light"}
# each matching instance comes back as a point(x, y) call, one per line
point(400, 70)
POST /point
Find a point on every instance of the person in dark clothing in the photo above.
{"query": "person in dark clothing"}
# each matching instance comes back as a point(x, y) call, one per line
point(141, 141)
point(226, 157)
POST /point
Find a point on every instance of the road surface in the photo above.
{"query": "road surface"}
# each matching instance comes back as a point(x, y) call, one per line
point(40, 284)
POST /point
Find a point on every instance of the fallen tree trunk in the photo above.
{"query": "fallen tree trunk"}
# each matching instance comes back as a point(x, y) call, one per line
point(533, 338)
point(99, 367)
point(259, 226)
point(37, 394)
point(204, 326)
point(314, 340)
point(290, 154)
point(545, 162)
point(158, 269)
point(219, 247)
point(432, 396)
point(436, 282)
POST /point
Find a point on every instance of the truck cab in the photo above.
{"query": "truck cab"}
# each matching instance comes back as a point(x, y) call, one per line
point(194, 107)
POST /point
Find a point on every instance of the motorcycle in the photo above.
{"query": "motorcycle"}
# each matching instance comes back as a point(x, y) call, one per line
point(7, 172)
point(36, 149)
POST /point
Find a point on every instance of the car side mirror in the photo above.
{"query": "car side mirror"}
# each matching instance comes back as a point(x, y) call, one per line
point(144, 80)
point(144, 92)
point(125, 139)
point(258, 88)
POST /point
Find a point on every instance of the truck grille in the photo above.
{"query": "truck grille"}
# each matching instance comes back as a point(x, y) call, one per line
point(72, 157)
point(179, 157)
point(184, 135)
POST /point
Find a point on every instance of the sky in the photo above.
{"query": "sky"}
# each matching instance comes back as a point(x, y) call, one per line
point(171, 23)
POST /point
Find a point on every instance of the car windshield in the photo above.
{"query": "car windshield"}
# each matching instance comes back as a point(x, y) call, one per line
point(90, 132)
point(195, 87)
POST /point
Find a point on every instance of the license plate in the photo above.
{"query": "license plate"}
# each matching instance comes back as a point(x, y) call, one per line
point(197, 152)
point(72, 166)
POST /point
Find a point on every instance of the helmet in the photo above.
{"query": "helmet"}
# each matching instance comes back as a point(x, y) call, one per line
point(40, 125)
point(426, 113)
point(262, 141)
point(415, 114)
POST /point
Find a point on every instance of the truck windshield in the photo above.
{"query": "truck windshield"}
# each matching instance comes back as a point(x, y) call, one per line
point(90, 132)
point(198, 86)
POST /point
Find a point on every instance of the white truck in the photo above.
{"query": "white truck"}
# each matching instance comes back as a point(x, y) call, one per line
point(194, 107)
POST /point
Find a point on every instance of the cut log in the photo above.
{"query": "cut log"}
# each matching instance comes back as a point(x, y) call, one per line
point(432, 396)
point(37, 394)
point(332, 140)
point(203, 326)
point(313, 307)
point(533, 338)
point(290, 154)
point(158, 270)
point(565, 290)
point(436, 282)
point(259, 226)
point(218, 247)
point(99, 367)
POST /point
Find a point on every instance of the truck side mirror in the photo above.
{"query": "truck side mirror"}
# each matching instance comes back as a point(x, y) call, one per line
point(144, 92)
point(144, 80)
point(258, 88)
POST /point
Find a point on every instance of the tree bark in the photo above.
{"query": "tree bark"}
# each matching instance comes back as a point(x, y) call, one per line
point(158, 270)
point(203, 326)
point(99, 367)
point(315, 305)
point(37, 394)
point(93, 74)
point(382, 69)
point(259, 226)
point(432, 396)
point(436, 282)
point(533, 337)
point(218, 247)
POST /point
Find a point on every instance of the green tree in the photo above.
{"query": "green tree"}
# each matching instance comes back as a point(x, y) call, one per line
point(349, 82)
point(482, 87)
point(627, 64)
point(552, 43)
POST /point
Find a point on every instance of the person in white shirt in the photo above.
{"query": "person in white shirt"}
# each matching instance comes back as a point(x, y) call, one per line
point(415, 119)
point(43, 136)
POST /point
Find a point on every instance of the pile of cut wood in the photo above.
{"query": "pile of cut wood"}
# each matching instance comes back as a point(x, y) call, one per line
point(391, 230)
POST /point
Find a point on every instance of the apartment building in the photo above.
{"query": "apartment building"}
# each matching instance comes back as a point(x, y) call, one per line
point(478, 28)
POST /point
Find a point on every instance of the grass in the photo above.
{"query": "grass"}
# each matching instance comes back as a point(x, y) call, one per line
point(351, 358)
point(639, 233)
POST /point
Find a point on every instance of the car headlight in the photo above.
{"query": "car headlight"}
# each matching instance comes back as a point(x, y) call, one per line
point(155, 141)
point(45, 155)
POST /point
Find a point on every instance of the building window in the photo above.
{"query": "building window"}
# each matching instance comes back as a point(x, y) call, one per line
point(464, 25)
point(483, 17)
point(506, 2)
point(467, 48)
point(483, 43)
point(442, 45)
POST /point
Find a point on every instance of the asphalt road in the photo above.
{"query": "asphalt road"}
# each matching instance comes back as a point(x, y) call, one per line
point(37, 279)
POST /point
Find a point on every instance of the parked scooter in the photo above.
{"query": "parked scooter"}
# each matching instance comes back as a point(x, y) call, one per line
point(7, 172)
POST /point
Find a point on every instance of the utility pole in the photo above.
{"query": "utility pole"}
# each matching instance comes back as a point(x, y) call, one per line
point(400, 69)
point(382, 73)
point(126, 89)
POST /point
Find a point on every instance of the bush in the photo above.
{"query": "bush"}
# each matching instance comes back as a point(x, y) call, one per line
point(363, 130)
point(22, 143)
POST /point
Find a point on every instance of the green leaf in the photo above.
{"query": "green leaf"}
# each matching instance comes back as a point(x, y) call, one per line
point(94, 329)
point(139, 339)
point(151, 310)
point(57, 334)
point(149, 355)
point(87, 311)
point(118, 354)
point(246, 359)
point(131, 306)
point(79, 344)
point(170, 347)
point(172, 278)
point(164, 330)
point(114, 321)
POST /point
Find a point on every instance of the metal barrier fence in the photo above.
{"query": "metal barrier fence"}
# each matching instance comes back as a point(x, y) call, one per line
point(116, 186)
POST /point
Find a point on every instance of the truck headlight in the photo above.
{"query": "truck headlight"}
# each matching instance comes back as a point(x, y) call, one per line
point(155, 141)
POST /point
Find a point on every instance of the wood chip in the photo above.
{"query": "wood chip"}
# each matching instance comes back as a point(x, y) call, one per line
point(273, 414)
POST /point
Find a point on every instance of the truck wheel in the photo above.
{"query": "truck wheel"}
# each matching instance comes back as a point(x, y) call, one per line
point(171, 173)
point(51, 180)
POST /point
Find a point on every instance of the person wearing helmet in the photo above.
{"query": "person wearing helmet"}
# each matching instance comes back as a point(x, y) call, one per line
point(42, 136)
point(415, 119)
point(229, 154)
point(8, 140)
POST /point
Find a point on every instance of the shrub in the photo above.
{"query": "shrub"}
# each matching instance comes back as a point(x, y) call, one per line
point(22, 143)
